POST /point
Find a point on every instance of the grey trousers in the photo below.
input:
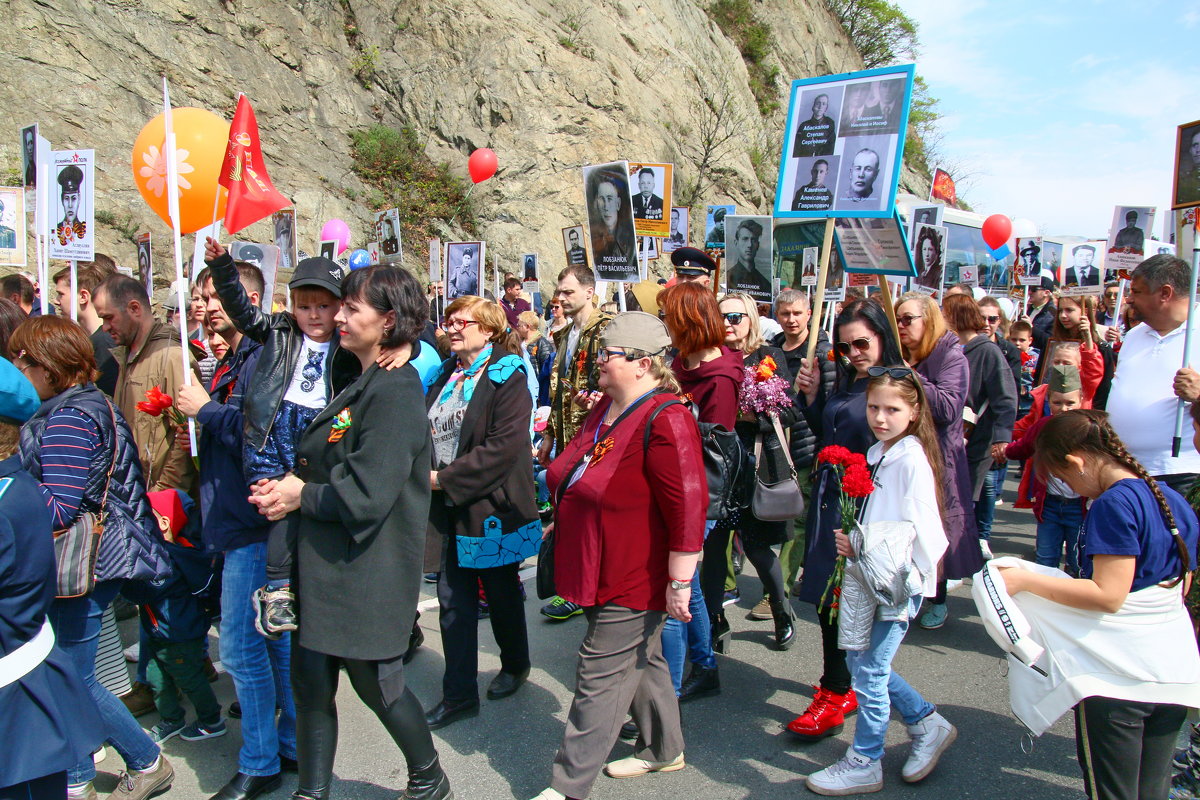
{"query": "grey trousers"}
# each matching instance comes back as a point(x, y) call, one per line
point(621, 667)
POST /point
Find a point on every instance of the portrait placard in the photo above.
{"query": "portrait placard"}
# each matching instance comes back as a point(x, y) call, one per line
point(464, 268)
point(1131, 227)
point(284, 223)
point(1082, 270)
point(387, 232)
point(929, 258)
point(529, 268)
point(651, 188)
point(29, 141)
point(647, 248)
point(714, 226)
point(72, 211)
point(748, 250)
point(610, 221)
point(435, 261)
point(1027, 268)
point(844, 143)
point(1187, 166)
point(12, 226)
point(328, 249)
point(875, 246)
point(145, 259)
point(263, 256)
point(809, 266)
point(680, 216)
point(572, 236)
point(925, 215)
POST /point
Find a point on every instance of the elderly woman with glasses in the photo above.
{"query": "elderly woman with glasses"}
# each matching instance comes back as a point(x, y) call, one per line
point(936, 354)
point(863, 339)
point(630, 495)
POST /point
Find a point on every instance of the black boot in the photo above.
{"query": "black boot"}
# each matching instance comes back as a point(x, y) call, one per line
point(722, 635)
point(311, 794)
point(415, 640)
point(701, 683)
point(428, 783)
point(785, 631)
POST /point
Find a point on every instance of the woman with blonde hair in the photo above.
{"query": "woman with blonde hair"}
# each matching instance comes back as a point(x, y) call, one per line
point(936, 354)
point(479, 410)
point(743, 334)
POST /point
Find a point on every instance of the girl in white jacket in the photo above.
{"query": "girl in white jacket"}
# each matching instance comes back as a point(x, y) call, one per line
point(907, 473)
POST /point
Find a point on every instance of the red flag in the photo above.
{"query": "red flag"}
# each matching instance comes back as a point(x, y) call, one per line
point(244, 174)
point(943, 188)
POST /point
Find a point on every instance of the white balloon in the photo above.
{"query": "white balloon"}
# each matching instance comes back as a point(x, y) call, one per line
point(1024, 228)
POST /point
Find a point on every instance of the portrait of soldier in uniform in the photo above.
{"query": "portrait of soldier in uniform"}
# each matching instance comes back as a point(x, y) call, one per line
point(70, 227)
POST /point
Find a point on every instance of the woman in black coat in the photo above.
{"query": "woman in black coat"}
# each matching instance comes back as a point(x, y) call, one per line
point(359, 501)
point(483, 517)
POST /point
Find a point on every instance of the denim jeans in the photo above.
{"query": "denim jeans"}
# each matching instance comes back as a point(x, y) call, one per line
point(76, 623)
point(879, 689)
point(985, 509)
point(260, 668)
point(691, 641)
point(1062, 517)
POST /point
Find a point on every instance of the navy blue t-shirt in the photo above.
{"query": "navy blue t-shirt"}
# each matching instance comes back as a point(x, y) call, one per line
point(1126, 521)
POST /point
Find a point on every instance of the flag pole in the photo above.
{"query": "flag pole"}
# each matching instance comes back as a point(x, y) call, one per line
point(173, 214)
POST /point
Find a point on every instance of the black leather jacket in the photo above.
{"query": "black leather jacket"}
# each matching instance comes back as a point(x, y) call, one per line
point(282, 340)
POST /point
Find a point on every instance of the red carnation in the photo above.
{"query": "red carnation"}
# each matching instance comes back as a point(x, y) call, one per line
point(857, 481)
point(835, 454)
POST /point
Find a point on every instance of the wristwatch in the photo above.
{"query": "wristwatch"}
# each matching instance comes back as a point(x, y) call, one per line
point(680, 584)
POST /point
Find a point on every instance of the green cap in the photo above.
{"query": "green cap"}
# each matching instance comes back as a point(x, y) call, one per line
point(1064, 378)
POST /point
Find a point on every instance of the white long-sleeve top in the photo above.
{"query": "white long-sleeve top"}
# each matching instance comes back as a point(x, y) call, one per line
point(905, 491)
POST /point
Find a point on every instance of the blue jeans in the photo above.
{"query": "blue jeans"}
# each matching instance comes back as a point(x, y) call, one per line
point(690, 641)
point(879, 689)
point(1062, 517)
point(76, 623)
point(261, 669)
point(985, 509)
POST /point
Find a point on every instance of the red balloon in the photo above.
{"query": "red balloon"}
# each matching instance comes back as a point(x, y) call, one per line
point(997, 230)
point(482, 165)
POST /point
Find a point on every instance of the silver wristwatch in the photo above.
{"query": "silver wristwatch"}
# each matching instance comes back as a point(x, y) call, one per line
point(680, 584)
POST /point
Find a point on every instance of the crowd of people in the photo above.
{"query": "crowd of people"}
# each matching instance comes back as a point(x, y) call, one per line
point(271, 480)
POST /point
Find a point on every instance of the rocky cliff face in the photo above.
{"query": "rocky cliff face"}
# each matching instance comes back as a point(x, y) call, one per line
point(550, 85)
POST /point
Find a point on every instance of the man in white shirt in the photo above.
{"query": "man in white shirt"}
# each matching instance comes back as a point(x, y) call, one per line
point(1143, 398)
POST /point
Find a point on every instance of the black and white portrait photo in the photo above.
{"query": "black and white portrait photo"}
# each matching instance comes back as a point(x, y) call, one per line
point(1083, 270)
point(748, 255)
point(12, 226)
point(1028, 270)
point(816, 134)
point(714, 226)
point(873, 107)
point(464, 268)
point(387, 231)
point(808, 266)
point(651, 188)
point(29, 137)
point(145, 259)
point(1187, 166)
point(929, 255)
point(679, 230)
point(1129, 230)
point(812, 190)
point(862, 183)
point(328, 249)
point(573, 245)
point(285, 237)
point(610, 221)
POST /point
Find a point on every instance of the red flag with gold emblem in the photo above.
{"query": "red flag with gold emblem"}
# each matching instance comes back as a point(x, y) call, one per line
point(244, 173)
point(943, 188)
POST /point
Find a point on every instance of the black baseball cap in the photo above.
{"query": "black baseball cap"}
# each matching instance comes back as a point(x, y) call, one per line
point(1049, 284)
point(692, 261)
point(317, 271)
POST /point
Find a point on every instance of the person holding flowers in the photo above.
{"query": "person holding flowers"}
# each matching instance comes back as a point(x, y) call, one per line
point(766, 408)
point(907, 473)
point(863, 339)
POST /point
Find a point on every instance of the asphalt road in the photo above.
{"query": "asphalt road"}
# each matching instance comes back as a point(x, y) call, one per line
point(736, 747)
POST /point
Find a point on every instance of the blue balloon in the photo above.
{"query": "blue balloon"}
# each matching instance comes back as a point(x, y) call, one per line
point(359, 259)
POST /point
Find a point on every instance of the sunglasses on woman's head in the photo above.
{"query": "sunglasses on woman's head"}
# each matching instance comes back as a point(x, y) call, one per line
point(734, 318)
point(899, 373)
point(860, 345)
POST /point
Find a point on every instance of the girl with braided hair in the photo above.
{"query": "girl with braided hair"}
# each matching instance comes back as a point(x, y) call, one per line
point(1138, 547)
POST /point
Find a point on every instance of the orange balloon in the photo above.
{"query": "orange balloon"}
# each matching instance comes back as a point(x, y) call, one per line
point(200, 140)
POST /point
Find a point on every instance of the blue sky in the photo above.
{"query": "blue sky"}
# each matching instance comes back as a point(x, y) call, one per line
point(1059, 111)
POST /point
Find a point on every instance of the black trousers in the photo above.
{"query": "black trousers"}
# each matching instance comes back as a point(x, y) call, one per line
point(714, 568)
point(836, 677)
point(47, 787)
point(1125, 747)
point(314, 686)
point(458, 599)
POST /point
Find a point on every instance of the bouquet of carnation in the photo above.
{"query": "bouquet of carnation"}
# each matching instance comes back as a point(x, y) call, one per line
point(856, 483)
point(160, 404)
point(764, 392)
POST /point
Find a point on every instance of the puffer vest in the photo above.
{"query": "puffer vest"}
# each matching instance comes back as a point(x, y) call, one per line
point(131, 547)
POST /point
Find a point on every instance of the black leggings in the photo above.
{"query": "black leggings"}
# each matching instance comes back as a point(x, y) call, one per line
point(281, 546)
point(714, 569)
point(836, 677)
point(314, 686)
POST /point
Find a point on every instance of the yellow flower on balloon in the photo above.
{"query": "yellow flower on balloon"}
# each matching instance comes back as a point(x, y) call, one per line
point(154, 169)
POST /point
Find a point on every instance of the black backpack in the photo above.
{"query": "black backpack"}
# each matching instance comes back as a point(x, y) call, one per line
point(726, 465)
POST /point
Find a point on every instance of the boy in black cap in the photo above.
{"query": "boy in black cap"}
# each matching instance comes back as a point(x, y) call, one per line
point(301, 368)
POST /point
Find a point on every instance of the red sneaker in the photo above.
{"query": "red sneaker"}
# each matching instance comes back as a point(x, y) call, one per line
point(824, 717)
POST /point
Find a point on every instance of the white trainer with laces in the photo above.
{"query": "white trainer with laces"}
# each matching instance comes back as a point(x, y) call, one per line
point(853, 774)
point(930, 738)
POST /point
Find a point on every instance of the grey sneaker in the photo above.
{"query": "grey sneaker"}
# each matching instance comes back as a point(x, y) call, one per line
point(135, 785)
point(165, 730)
point(274, 611)
point(852, 774)
point(930, 738)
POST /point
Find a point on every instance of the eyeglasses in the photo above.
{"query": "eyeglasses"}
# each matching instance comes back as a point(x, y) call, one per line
point(459, 324)
point(992, 319)
point(860, 345)
point(899, 373)
point(907, 320)
point(608, 353)
point(734, 318)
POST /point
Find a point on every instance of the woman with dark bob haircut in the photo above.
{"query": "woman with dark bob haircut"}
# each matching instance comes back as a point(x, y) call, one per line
point(359, 502)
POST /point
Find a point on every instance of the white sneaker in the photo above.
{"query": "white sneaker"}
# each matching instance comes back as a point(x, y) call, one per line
point(853, 774)
point(632, 766)
point(551, 794)
point(953, 584)
point(131, 652)
point(986, 549)
point(930, 738)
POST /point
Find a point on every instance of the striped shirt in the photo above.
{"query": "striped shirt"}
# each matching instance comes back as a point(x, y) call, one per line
point(68, 445)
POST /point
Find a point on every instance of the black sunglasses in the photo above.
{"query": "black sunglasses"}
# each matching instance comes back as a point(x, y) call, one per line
point(993, 319)
point(734, 318)
point(860, 344)
point(899, 373)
